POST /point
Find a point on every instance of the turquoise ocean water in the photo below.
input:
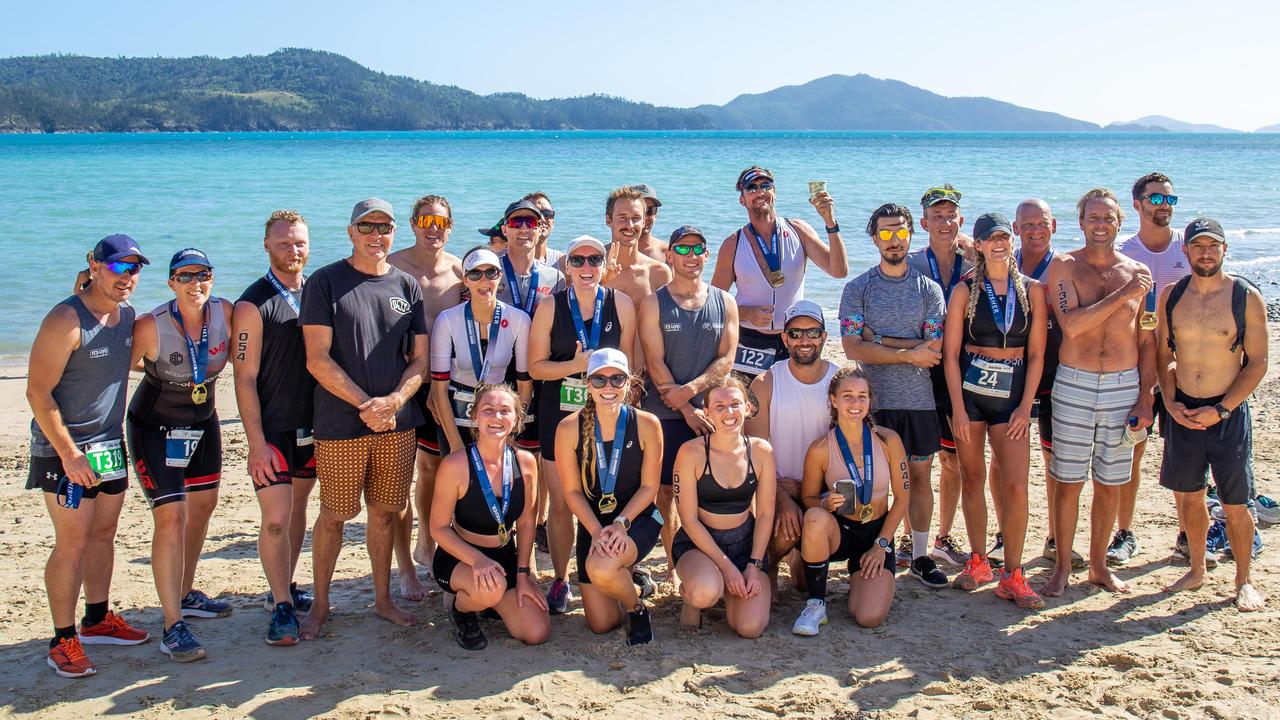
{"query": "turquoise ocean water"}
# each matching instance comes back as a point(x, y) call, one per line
point(61, 193)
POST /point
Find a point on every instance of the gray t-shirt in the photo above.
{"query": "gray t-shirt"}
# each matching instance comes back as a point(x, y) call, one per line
point(919, 260)
point(690, 343)
point(550, 282)
point(906, 307)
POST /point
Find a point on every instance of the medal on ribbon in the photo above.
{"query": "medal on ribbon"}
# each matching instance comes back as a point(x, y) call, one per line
point(199, 356)
point(479, 363)
point(597, 320)
point(498, 512)
point(513, 284)
point(863, 481)
point(289, 299)
point(1003, 317)
point(936, 273)
point(1148, 319)
point(608, 474)
point(772, 256)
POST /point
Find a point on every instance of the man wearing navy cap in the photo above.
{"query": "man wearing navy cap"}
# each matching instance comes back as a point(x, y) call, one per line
point(650, 245)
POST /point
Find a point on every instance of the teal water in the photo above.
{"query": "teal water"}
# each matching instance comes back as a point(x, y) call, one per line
point(61, 193)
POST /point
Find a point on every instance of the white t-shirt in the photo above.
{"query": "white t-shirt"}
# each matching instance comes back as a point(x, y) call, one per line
point(1166, 267)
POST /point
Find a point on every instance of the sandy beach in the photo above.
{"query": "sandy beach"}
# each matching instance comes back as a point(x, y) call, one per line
point(939, 654)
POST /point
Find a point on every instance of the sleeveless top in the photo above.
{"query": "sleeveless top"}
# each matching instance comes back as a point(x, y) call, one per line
point(798, 415)
point(451, 353)
point(90, 394)
point(164, 395)
point(836, 469)
point(286, 389)
point(752, 286)
point(564, 338)
point(690, 343)
point(1166, 267)
point(628, 469)
point(719, 500)
point(982, 329)
point(472, 512)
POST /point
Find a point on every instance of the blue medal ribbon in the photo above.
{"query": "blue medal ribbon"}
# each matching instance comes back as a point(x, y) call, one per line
point(608, 476)
point(200, 356)
point(579, 326)
point(937, 274)
point(499, 513)
point(772, 255)
point(285, 293)
point(513, 283)
point(480, 364)
point(1040, 268)
point(1003, 318)
point(1151, 300)
point(862, 485)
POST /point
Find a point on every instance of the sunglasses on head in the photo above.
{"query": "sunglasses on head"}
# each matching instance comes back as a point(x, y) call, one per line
point(433, 221)
point(762, 186)
point(368, 228)
point(120, 267)
point(810, 333)
point(524, 221)
point(699, 249)
point(600, 381)
point(580, 260)
point(186, 277)
point(487, 273)
point(1161, 199)
point(886, 234)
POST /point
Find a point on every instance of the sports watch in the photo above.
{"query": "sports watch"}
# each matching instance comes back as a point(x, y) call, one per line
point(1223, 413)
point(624, 521)
point(884, 544)
point(757, 562)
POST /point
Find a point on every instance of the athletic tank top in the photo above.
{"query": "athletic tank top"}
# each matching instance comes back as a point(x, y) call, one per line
point(836, 469)
point(719, 500)
point(798, 415)
point(451, 351)
point(286, 390)
point(982, 329)
point(564, 338)
point(1166, 267)
point(164, 395)
point(628, 469)
point(91, 392)
point(690, 343)
point(472, 512)
point(752, 286)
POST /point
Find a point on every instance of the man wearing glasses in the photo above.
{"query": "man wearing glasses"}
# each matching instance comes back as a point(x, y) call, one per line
point(689, 331)
point(650, 245)
point(439, 275)
point(766, 260)
point(543, 252)
point(76, 384)
point(366, 336)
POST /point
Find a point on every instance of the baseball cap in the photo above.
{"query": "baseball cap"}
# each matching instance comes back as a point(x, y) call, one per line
point(988, 223)
point(585, 240)
point(189, 256)
point(752, 173)
point(685, 230)
point(607, 358)
point(371, 205)
point(115, 247)
point(495, 231)
point(1203, 226)
point(935, 195)
point(479, 258)
point(519, 205)
point(805, 308)
point(648, 192)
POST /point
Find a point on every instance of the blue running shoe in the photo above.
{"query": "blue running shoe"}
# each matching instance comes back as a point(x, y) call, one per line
point(283, 629)
point(180, 645)
point(559, 597)
point(198, 605)
point(1268, 510)
point(301, 599)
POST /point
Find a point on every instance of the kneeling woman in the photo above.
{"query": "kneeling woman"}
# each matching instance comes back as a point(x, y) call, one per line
point(847, 477)
point(482, 493)
point(720, 548)
point(609, 456)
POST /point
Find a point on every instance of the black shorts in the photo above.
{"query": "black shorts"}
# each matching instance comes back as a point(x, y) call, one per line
point(856, 539)
point(644, 533)
point(530, 438)
point(1160, 414)
point(428, 432)
point(547, 403)
point(163, 482)
point(443, 564)
point(917, 428)
point(296, 452)
point(46, 474)
point(1043, 413)
point(756, 352)
point(942, 399)
point(993, 410)
point(675, 432)
point(1225, 448)
point(735, 543)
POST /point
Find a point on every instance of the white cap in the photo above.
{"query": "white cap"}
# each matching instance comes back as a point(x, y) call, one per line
point(586, 240)
point(478, 258)
point(607, 358)
point(805, 308)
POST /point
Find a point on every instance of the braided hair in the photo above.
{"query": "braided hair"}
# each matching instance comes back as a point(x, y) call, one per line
point(587, 438)
point(978, 286)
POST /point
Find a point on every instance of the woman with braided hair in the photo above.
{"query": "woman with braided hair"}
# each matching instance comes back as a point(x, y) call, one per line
point(608, 457)
point(993, 351)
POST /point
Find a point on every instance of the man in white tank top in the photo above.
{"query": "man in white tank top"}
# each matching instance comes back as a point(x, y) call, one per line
point(793, 411)
point(1158, 246)
point(766, 260)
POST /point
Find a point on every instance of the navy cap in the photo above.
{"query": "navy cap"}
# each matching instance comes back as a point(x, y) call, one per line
point(648, 193)
point(752, 173)
point(946, 193)
point(519, 205)
point(189, 256)
point(1203, 226)
point(118, 247)
point(684, 230)
point(492, 232)
point(988, 223)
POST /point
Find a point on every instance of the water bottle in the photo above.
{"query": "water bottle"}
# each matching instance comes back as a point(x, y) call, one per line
point(1132, 435)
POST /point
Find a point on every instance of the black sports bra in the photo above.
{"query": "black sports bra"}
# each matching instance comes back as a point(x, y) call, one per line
point(719, 500)
point(982, 330)
point(472, 512)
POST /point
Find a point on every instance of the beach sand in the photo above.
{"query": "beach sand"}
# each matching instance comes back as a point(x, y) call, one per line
point(939, 654)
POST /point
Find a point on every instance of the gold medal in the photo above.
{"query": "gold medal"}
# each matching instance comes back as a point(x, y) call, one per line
point(503, 535)
point(608, 503)
point(776, 278)
point(1147, 321)
point(864, 515)
point(200, 393)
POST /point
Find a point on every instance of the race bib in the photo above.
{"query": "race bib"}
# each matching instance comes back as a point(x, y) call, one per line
point(304, 437)
point(462, 401)
point(573, 394)
point(753, 361)
point(107, 459)
point(179, 446)
point(990, 378)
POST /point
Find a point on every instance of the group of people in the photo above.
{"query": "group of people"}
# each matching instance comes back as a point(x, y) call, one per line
point(613, 388)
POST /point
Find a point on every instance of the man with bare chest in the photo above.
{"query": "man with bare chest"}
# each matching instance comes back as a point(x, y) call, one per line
point(1212, 353)
point(650, 245)
point(1105, 374)
point(630, 271)
point(440, 275)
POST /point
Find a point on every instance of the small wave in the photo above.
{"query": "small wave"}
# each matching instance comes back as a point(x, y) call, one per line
point(1254, 262)
point(1246, 232)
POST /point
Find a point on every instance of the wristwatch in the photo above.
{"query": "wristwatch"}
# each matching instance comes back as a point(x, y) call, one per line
point(833, 229)
point(876, 338)
point(1223, 413)
point(757, 562)
point(523, 569)
point(884, 544)
point(624, 522)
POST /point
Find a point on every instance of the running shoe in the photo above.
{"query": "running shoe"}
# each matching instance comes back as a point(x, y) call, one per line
point(68, 660)
point(466, 625)
point(977, 571)
point(198, 605)
point(1050, 553)
point(811, 618)
point(301, 600)
point(1268, 510)
point(639, 629)
point(180, 645)
point(283, 629)
point(1122, 548)
point(1182, 549)
point(643, 582)
point(1013, 586)
point(946, 549)
point(926, 571)
point(112, 630)
point(996, 553)
point(559, 597)
point(904, 556)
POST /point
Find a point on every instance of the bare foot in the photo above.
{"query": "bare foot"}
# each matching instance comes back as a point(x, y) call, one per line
point(1248, 599)
point(310, 628)
point(1107, 579)
point(1056, 585)
point(422, 557)
point(390, 612)
point(1190, 581)
point(690, 616)
point(411, 588)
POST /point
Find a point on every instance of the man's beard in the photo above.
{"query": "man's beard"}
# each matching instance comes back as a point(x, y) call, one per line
point(809, 360)
point(1161, 220)
point(894, 260)
point(1206, 272)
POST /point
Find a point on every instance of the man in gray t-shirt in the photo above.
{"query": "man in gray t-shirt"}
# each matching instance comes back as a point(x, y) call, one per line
point(891, 322)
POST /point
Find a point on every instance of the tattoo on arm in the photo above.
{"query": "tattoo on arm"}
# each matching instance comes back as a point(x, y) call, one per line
point(242, 345)
point(906, 476)
point(1062, 296)
point(675, 483)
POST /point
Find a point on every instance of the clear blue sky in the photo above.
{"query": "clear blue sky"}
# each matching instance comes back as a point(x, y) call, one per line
point(1195, 61)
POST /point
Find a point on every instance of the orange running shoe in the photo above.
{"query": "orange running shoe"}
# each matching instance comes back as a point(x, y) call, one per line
point(68, 660)
point(976, 572)
point(1013, 586)
point(113, 630)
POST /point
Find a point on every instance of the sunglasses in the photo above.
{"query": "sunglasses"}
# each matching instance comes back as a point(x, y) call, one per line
point(580, 260)
point(488, 274)
point(548, 214)
point(1161, 199)
point(121, 267)
point(601, 381)
point(810, 333)
point(651, 211)
point(433, 221)
point(758, 187)
point(186, 277)
point(902, 233)
point(368, 228)
point(698, 249)
point(524, 221)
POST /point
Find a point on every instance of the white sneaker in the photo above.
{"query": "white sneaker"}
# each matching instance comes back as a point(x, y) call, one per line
point(814, 616)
